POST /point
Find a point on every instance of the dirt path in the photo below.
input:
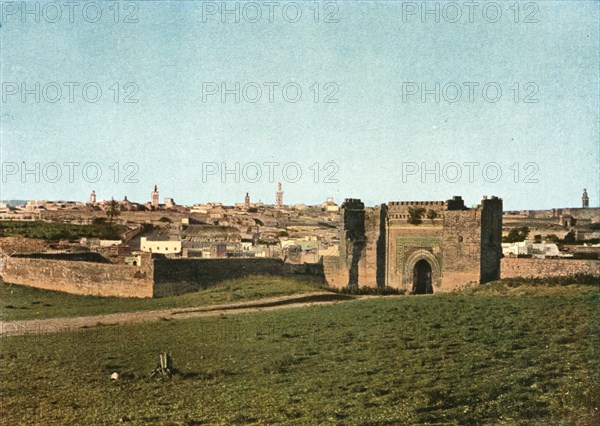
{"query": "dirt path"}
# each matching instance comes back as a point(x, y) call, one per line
point(54, 325)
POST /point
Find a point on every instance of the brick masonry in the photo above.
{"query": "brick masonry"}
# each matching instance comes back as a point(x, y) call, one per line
point(84, 278)
point(153, 278)
point(542, 268)
point(379, 247)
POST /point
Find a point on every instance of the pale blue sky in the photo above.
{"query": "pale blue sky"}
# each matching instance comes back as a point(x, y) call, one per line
point(370, 132)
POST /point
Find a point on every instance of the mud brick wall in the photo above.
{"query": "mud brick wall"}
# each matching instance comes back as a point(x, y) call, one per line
point(371, 266)
point(461, 248)
point(77, 277)
point(352, 239)
point(178, 276)
point(542, 268)
point(335, 274)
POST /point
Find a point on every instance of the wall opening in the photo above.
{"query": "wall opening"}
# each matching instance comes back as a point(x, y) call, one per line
point(422, 278)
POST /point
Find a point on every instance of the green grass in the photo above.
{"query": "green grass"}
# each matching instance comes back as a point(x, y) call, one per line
point(55, 231)
point(491, 357)
point(20, 303)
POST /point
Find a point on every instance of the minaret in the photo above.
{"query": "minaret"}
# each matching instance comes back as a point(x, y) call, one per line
point(155, 197)
point(279, 195)
point(247, 201)
point(93, 197)
point(585, 200)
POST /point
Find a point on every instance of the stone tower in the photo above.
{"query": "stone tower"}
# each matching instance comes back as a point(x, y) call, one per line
point(279, 195)
point(447, 248)
point(585, 200)
point(155, 197)
point(93, 197)
point(247, 201)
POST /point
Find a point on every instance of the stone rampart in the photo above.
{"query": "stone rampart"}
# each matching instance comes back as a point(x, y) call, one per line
point(544, 268)
point(79, 277)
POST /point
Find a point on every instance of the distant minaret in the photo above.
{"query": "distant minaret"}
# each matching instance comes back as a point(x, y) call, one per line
point(93, 197)
point(247, 201)
point(279, 195)
point(155, 197)
point(585, 200)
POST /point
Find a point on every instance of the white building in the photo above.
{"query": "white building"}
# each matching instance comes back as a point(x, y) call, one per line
point(529, 248)
point(160, 246)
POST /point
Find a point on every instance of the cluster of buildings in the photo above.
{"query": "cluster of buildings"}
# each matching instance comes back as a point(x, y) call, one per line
point(413, 246)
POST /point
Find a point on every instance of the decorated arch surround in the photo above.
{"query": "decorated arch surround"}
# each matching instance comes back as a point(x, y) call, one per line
point(409, 266)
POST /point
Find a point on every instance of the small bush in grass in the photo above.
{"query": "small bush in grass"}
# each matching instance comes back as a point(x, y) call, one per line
point(371, 291)
point(574, 279)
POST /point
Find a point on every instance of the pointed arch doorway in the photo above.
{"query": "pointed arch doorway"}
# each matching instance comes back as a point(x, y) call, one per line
point(422, 281)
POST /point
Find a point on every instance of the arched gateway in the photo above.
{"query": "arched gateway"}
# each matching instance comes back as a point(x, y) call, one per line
point(422, 282)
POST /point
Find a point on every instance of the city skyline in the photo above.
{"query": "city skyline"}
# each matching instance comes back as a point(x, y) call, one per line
point(253, 200)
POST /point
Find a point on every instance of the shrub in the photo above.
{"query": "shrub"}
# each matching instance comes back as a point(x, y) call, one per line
point(415, 215)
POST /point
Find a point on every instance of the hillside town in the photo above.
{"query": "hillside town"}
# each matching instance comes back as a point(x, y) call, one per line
point(294, 232)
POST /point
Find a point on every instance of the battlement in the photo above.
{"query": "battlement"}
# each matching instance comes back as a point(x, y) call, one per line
point(416, 203)
point(492, 200)
point(456, 203)
point(353, 204)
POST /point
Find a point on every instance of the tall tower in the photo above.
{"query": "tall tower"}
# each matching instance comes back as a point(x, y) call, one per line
point(247, 201)
point(93, 197)
point(155, 197)
point(279, 195)
point(585, 200)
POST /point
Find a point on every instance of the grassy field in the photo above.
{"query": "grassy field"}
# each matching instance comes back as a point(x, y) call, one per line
point(513, 354)
point(20, 303)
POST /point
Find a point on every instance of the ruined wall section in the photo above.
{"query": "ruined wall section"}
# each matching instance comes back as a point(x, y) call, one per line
point(179, 276)
point(352, 238)
point(78, 277)
point(371, 254)
point(336, 275)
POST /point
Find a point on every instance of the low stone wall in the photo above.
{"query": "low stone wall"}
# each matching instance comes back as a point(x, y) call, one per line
point(542, 268)
point(335, 275)
point(178, 276)
point(155, 278)
point(78, 277)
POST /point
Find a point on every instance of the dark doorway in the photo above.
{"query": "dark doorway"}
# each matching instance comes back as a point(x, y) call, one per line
point(422, 278)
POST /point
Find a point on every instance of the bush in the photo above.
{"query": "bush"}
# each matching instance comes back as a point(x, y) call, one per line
point(415, 215)
point(516, 235)
point(370, 291)
point(569, 238)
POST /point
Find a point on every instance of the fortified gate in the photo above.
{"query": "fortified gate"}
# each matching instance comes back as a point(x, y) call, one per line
point(418, 246)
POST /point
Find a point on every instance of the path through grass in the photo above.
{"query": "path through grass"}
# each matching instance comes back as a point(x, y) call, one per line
point(21, 303)
point(486, 358)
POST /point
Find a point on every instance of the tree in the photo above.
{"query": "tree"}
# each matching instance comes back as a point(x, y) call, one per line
point(431, 214)
point(537, 238)
point(569, 238)
point(516, 235)
point(114, 210)
point(98, 221)
point(415, 215)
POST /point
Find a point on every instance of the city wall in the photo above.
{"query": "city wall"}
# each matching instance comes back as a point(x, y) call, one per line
point(544, 268)
point(78, 277)
point(178, 276)
point(153, 278)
